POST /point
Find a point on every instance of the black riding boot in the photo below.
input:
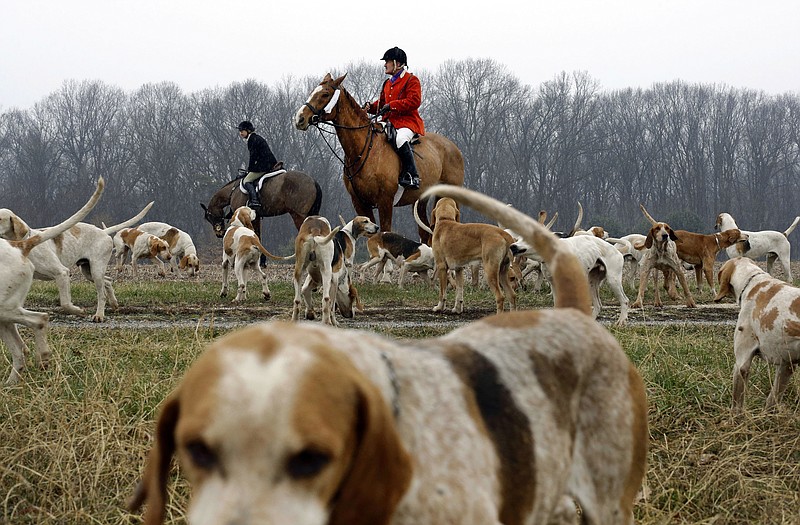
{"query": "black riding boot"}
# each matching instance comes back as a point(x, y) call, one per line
point(254, 201)
point(408, 174)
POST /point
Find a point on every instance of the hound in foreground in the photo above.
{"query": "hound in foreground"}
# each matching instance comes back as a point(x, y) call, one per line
point(288, 423)
point(766, 243)
point(16, 274)
point(768, 325)
point(84, 245)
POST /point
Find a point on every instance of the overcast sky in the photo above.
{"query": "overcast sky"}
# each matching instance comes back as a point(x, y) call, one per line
point(206, 43)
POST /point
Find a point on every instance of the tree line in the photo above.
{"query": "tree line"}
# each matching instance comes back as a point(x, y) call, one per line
point(686, 151)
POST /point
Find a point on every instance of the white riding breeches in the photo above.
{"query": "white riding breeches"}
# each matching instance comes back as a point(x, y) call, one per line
point(403, 136)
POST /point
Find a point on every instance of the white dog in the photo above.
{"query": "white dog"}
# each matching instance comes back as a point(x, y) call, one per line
point(16, 276)
point(181, 246)
point(84, 245)
point(772, 244)
point(768, 325)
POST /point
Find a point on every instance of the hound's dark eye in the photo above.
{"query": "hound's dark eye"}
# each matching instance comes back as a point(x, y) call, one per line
point(307, 463)
point(202, 456)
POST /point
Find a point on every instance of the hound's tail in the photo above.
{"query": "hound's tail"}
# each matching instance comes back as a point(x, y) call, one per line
point(275, 257)
point(49, 233)
point(110, 230)
point(791, 228)
point(569, 280)
point(419, 221)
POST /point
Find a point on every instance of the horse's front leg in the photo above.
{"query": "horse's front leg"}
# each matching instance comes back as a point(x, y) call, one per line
point(262, 261)
point(385, 214)
point(365, 210)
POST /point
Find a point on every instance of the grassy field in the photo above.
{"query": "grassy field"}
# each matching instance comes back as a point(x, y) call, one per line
point(73, 437)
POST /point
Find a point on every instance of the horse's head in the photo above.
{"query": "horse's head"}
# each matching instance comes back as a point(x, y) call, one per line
point(217, 221)
point(321, 103)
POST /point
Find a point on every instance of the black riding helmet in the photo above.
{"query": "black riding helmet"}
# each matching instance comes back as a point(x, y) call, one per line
point(396, 54)
point(246, 125)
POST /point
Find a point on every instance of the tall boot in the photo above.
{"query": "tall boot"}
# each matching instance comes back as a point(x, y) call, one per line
point(254, 201)
point(408, 174)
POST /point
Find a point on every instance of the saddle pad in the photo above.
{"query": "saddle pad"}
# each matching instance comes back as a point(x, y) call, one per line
point(260, 180)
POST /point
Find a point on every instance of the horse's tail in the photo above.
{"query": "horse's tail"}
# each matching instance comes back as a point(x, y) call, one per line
point(317, 201)
point(130, 222)
point(570, 285)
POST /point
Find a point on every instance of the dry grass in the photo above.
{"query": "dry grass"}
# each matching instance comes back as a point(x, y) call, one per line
point(73, 437)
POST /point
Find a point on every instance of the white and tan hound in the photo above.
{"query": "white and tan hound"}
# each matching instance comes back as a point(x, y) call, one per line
point(661, 254)
point(314, 250)
point(510, 419)
point(84, 245)
point(771, 244)
point(242, 250)
point(16, 276)
point(181, 246)
point(768, 325)
point(144, 246)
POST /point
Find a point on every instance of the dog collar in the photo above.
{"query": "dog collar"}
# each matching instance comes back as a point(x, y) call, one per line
point(739, 299)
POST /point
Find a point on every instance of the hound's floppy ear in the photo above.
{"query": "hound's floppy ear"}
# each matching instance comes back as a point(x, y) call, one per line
point(672, 234)
point(246, 220)
point(152, 489)
point(648, 242)
point(184, 262)
point(153, 249)
point(724, 278)
point(18, 228)
point(369, 496)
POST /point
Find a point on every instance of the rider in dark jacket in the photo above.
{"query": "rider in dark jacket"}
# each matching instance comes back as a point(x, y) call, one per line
point(261, 160)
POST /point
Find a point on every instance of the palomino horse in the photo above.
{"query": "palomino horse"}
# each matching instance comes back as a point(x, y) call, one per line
point(371, 165)
point(293, 192)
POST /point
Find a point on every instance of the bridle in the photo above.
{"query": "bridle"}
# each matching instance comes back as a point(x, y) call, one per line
point(352, 169)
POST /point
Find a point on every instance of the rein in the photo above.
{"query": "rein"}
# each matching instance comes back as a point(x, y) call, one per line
point(354, 168)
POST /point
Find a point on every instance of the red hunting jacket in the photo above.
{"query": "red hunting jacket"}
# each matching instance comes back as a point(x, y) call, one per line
point(404, 97)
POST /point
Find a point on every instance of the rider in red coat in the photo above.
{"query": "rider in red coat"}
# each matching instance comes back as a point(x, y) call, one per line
point(399, 102)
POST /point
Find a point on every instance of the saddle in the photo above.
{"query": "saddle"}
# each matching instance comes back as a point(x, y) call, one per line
point(391, 135)
point(277, 169)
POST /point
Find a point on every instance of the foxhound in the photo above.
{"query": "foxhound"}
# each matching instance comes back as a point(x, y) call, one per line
point(457, 245)
point(144, 246)
point(768, 325)
point(242, 250)
point(661, 254)
point(766, 243)
point(510, 419)
point(181, 246)
point(410, 256)
point(314, 251)
point(84, 245)
point(16, 274)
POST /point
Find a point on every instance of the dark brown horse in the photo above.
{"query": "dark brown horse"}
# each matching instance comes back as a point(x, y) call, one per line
point(371, 165)
point(292, 192)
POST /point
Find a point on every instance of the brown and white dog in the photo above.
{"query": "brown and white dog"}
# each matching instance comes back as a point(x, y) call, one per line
point(312, 425)
point(771, 244)
point(242, 250)
point(16, 276)
point(314, 251)
point(144, 246)
point(456, 245)
point(84, 245)
point(181, 246)
point(344, 242)
point(661, 254)
point(768, 325)
point(700, 250)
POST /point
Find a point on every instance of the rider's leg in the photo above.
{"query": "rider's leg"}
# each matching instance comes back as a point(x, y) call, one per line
point(250, 186)
point(409, 177)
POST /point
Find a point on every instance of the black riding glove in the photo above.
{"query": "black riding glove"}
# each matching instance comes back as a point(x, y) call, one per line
point(384, 110)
